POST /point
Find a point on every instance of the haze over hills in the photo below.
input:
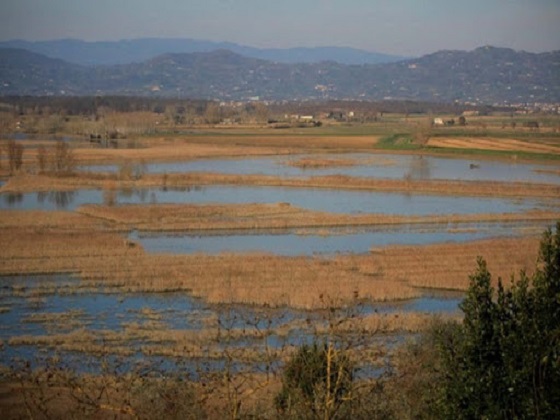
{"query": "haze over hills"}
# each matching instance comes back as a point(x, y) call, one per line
point(486, 75)
point(138, 50)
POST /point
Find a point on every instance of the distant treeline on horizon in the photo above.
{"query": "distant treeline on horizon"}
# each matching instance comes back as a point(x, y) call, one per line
point(88, 105)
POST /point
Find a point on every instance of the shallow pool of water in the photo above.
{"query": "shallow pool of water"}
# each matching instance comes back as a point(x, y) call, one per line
point(290, 243)
point(95, 312)
point(53, 200)
point(385, 166)
point(335, 201)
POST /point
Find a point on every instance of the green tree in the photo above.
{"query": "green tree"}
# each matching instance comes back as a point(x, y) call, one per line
point(472, 359)
point(503, 361)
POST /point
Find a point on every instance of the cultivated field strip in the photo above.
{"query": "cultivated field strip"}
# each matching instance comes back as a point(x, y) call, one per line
point(493, 144)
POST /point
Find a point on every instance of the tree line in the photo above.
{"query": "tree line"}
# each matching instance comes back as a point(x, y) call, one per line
point(89, 105)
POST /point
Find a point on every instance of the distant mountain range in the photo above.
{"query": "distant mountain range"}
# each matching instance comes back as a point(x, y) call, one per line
point(486, 75)
point(138, 50)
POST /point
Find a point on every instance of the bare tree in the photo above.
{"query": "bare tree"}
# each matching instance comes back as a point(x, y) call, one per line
point(261, 112)
point(212, 114)
point(63, 161)
point(15, 155)
point(42, 157)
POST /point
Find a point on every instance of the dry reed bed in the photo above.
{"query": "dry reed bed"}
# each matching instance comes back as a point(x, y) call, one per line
point(98, 343)
point(45, 251)
point(182, 344)
point(172, 150)
point(297, 143)
point(411, 322)
point(447, 266)
point(45, 220)
point(105, 258)
point(209, 343)
point(436, 187)
point(314, 163)
point(267, 280)
point(548, 171)
point(54, 317)
point(232, 217)
point(321, 162)
point(30, 183)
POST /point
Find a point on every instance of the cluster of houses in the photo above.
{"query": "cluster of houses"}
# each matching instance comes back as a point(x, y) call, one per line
point(440, 122)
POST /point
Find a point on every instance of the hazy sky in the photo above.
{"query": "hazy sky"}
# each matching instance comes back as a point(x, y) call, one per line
point(406, 27)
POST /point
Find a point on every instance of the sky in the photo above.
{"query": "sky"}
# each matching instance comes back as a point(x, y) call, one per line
point(401, 27)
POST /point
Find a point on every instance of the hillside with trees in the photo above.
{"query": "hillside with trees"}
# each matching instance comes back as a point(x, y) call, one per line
point(486, 75)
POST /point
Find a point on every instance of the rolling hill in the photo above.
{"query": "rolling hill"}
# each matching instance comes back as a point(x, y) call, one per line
point(138, 50)
point(486, 75)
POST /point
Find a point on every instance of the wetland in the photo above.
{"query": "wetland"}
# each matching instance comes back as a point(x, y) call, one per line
point(207, 251)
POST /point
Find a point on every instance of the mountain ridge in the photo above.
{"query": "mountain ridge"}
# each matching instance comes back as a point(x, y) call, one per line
point(486, 75)
point(141, 49)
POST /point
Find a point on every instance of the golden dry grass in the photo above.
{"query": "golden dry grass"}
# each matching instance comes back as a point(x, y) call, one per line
point(29, 183)
point(447, 266)
point(106, 258)
point(31, 250)
point(37, 219)
point(390, 322)
point(314, 162)
point(299, 142)
point(209, 342)
point(169, 150)
point(88, 243)
point(232, 217)
point(548, 171)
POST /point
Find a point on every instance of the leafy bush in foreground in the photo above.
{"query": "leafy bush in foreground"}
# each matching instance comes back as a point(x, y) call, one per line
point(504, 360)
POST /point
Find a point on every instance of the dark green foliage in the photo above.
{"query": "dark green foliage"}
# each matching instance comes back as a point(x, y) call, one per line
point(489, 74)
point(316, 381)
point(503, 361)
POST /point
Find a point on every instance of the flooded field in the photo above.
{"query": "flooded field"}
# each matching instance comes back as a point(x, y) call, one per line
point(386, 166)
point(321, 241)
point(197, 288)
point(334, 201)
point(37, 321)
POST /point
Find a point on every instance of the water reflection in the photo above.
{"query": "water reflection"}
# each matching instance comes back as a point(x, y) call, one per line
point(50, 200)
point(312, 242)
point(60, 199)
point(386, 166)
point(12, 199)
point(96, 313)
point(334, 201)
point(419, 168)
